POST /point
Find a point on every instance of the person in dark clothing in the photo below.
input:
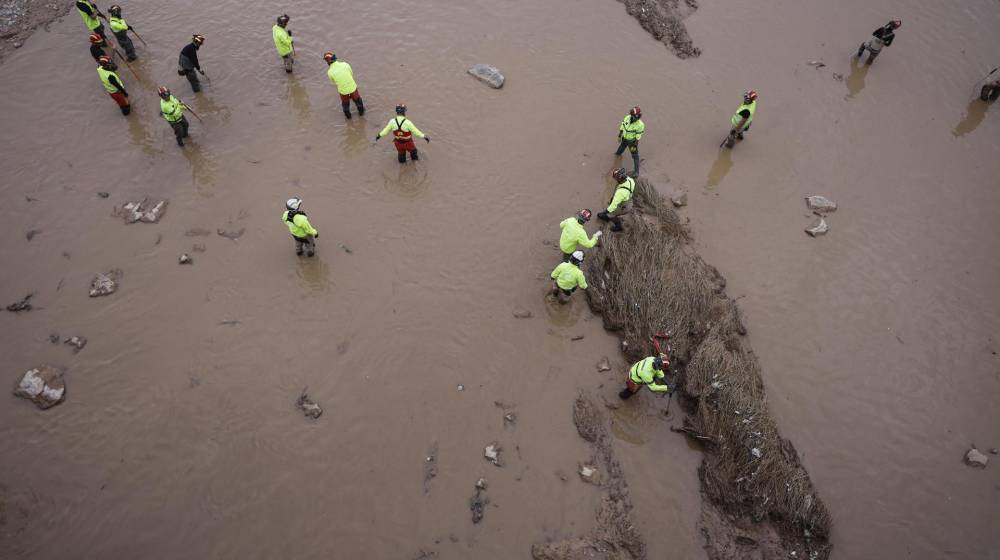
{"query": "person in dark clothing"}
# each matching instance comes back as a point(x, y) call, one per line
point(881, 37)
point(187, 62)
point(97, 46)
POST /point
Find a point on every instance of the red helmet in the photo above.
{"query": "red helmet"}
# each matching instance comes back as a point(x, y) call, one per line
point(584, 214)
point(897, 23)
point(329, 56)
point(619, 174)
point(749, 96)
point(636, 112)
point(163, 91)
point(104, 61)
point(95, 38)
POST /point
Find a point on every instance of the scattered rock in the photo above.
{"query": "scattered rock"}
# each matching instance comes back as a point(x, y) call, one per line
point(105, 283)
point(460, 387)
point(817, 63)
point(994, 451)
point(818, 227)
point(141, 211)
point(31, 234)
point(589, 473)
point(103, 194)
point(185, 259)
point(604, 364)
point(197, 232)
point(77, 342)
point(345, 248)
point(477, 504)
point(523, 314)
point(198, 248)
point(679, 200)
point(974, 458)
point(54, 338)
point(233, 234)
point(838, 77)
point(488, 74)
point(43, 386)
point(481, 484)
point(23, 305)
point(430, 467)
point(492, 453)
point(307, 406)
point(576, 337)
point(821, 204)
point(18, 44)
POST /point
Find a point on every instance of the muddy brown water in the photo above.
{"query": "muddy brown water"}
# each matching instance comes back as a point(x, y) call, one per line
point(180, 437)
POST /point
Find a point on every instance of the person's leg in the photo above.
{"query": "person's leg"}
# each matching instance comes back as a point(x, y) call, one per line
point(192, 77)
point(288, 61)
point(621, 148)
point(414, 154)
point(345, 104)
point(563, 296)
point(178, 129)
point(298, 245)
point(310, 245)
point(126, 43)
point(358, 102)
point(634, 150)
point(184, 127)
point(861, 50)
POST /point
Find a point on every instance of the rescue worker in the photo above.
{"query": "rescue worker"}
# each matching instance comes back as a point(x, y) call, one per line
point(403, 131)
point(621, 200)
point(744, 115)
point(283, 42)
point(342, 76)
point(629, 134)
point(90, 13)
point(645, 372)
point(187, 62)
point(120, 28)
point(298, 224)
point(881, 37)
point(573, 234)
point(97, 46)
point(990, 91)
point(172, 110)
point(567, 277)
point(113, 84)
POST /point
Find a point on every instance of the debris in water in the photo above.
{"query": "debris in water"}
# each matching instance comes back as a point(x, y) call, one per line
point(821, 204)
point(994, 451)
point(755, 452)
point(818, 227)
point(576, 337)
point(103, 194)
point(492, 453)
point(197, 232)
point(77, 342)
point(229, 322)
point(43, 386)
point(523, 314)
point(231, 234)
point(481, 484)
point(54, 338)
point(185, 259)
point(604, 364)
point(307, 406)
point(23, 305)
point(478, 504)
point(817, 63)
point(30, 199)
point(975, 459)
point(430, 466)
point(460, 387)
point(105, 283)
point(488, 75)
point(679, 200)
point(838, 77)
point(141, 211)
point(345, 248)
point(31, 234)
point(589, 474)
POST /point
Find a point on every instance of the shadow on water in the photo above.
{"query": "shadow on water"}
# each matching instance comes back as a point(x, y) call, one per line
point(720, 168)
point(202, 168)
point(355, 139)
point(974, 115)
point(856, 80)
point(141, 137)
point(314, 273)
point(298, 98)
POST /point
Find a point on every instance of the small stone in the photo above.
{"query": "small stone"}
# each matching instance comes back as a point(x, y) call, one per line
point(43, 386)
point(576, 337)
point(488, 74)
point(510, 418)
point(523, 314)
point(604, 364)
point(481, 484)
point(679, 200)
point(818, 227)
point(994, 451)
point(103, 194)
point(105, 283)
point(821, 204)
point(141, 211)
point(31, 234)
point(755, 452)
point(185, 259)
point(975, 459)
point(307, 406)
point(589, 473)
point(492, 453)
point(77, 342)
point(18, 44)
point(345, 248)
point(460, 387)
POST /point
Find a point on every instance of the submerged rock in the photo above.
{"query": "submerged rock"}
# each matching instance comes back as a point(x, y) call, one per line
point(43, 386)
point(492, 453)
point(488, 74)
point(818, 227)
point(679, 200)
point(974, 458)
point(105, 283)
point(307, 406)
point(477, 504)
point(821, 204)
point(77, 342)
point(141, 211)
point(523, 314)
point(185, 259)
point(589, 473)
point(233, 234)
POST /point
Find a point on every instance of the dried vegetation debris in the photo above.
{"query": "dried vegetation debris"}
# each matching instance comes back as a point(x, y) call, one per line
point(664, 20)
point(648, 279)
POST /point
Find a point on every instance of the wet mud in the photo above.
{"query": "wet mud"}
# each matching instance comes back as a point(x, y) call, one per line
point(664, 20)
point(19, 19)
point(652, 282)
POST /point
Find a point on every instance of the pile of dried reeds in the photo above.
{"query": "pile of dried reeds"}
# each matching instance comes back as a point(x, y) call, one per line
point(648, 279)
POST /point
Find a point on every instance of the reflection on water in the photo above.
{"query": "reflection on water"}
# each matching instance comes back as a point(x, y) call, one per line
point(856, 80)
point(141, 137)
point(720, 168)
point(314, 273)
point(354, 139)
point(202, 168)
point(974, 115)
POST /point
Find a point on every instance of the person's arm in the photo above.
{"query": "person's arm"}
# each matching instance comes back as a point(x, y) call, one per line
point(385, 131)
point(657, 388)
point(640, 130)
point(84, 7)
point(556, 271)
point(617, 199)
point(745, 113)
point(412, 128)
point(192, 53)
point(584, 241)
point(581, 280)
point(888, 40)
point(117, 83)
point(304, 224)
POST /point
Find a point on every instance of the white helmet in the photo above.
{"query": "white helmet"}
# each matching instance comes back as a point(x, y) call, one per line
point(293, 203)
point(578, 256)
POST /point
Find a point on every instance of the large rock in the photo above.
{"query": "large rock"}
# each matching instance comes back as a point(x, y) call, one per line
point(488, 74)
point(43, 386)
point(105, 283)
point(818, 227)
point(820, 204)
point(974, 458)
point(141, 211)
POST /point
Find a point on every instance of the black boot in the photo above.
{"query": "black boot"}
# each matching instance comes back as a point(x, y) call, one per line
point(861, 50)
point(625, 394)
point(361, 106)
point(603, 216)
point(126, 109)
point(402, 157)
point(617, 226)
point(346, 105)
point(414, 155)
point(635, 162)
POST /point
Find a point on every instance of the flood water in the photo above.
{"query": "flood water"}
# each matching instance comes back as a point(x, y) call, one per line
point(179, 436)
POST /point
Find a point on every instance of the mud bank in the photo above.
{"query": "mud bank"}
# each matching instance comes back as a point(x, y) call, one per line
point(20, 18)
point(664, 20)
point(758, 498)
